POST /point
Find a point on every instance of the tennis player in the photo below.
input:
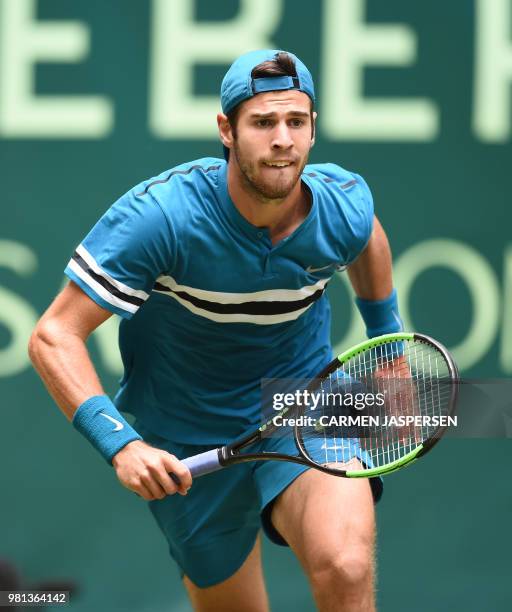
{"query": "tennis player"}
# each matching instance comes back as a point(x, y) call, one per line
point(218, 270)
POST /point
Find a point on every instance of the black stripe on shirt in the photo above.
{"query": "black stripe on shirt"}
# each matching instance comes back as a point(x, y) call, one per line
point(105, 283)
point(250, 308)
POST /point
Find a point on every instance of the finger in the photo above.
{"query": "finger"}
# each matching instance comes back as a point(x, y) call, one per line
point(179, 470)
point(152, 485)
point(179, 473)
point(168, 484)
point(142, 491)
point(175, 479)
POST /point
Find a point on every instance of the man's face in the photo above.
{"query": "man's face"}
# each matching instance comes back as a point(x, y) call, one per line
point(272, 143)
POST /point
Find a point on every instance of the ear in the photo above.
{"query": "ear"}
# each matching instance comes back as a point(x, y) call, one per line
point(225, 132)
point(313, 129)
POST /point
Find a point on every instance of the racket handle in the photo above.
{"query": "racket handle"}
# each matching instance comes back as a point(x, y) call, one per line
point(204, 463)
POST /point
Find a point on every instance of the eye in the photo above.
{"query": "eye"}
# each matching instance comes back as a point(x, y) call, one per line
point(263, 123)
point(297, 123)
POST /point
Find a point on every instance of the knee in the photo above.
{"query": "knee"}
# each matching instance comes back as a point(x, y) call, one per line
point(343, 570)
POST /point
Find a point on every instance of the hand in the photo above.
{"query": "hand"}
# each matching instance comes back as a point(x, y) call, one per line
point(393, 368)
point(145, 470)
point(394, 379)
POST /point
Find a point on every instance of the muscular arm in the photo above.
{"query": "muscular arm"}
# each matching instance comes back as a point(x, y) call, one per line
point(371, 278)
point(371, 274)
point(58, 351)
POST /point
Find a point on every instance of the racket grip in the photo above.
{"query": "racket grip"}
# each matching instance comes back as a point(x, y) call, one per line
point(204, 463)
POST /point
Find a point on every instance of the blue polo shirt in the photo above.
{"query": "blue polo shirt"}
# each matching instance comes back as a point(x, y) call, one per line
point(209, 305)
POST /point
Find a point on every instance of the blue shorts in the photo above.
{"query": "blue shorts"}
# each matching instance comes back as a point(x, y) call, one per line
point(212, 529)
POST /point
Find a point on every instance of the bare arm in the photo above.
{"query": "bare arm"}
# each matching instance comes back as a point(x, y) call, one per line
point(371, 274)
point(58, 351)
point(371, 278)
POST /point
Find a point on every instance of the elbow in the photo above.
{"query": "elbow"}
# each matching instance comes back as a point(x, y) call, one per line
point(43, 337)
point(34, 344)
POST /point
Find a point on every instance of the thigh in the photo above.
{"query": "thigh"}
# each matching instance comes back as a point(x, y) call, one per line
point(244, 590)
point(212, 530)
point(324, 517)
point(274, 478)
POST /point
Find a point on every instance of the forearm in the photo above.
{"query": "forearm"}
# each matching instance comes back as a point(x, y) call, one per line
point(372, 280)
point(62, 361)
point(371, 273)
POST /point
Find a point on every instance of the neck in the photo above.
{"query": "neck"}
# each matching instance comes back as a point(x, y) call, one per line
point(281, 216)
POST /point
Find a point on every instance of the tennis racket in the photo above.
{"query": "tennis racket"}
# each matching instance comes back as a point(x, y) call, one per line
point(413, 382)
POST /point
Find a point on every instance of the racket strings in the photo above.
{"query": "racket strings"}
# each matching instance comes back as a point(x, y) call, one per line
point(409, 378)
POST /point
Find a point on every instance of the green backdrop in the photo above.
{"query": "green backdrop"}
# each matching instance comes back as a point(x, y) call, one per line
point(96, 96)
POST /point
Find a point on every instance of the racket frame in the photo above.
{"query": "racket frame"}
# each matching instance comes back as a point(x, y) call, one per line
point(421, 449)
point(230, 453)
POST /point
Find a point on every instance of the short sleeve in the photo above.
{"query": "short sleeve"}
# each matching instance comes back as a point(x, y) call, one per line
point(125, 252)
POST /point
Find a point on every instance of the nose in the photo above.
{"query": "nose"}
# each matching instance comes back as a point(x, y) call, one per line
point(281, 137)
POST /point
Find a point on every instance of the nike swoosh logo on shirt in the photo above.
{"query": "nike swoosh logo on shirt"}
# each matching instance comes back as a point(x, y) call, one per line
point(118, 424)
point(338, 268)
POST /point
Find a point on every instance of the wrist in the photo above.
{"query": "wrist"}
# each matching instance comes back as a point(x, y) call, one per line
point(98, 420)
point(380, 316)
point(123, 451)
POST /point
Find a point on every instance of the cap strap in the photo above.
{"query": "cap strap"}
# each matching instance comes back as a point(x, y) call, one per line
point(275, 83)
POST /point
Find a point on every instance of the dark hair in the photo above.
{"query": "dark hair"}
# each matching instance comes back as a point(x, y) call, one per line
point(282, 64)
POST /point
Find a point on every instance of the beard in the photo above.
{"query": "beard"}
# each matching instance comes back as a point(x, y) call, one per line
point(272, 188)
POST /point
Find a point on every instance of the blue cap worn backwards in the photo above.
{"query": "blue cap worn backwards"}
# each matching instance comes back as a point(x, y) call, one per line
point(238, 85)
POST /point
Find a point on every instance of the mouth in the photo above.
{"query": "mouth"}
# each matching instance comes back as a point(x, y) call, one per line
point(278, 164)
